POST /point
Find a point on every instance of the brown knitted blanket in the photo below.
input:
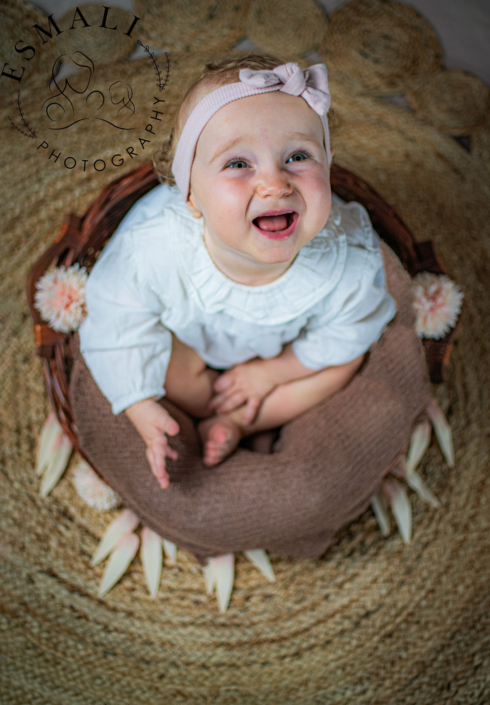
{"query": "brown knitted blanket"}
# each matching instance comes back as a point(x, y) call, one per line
point(326, 465)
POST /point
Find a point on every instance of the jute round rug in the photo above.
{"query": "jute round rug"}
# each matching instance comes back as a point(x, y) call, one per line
point(375, 620)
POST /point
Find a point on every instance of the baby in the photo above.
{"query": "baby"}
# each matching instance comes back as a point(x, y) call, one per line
point(248, 294)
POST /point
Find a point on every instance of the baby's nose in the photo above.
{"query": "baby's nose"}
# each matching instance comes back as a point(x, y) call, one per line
point(274, 183)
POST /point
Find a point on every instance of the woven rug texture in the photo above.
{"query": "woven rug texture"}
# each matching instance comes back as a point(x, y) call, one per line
point(374, 620)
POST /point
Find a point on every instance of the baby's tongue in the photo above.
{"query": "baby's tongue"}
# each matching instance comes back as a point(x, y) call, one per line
point(271, 223)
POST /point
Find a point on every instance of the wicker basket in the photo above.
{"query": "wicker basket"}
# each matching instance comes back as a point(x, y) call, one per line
point(81, 239)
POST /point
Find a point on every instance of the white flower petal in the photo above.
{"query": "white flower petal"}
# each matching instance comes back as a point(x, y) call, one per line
point(225, 575)
point(57, 463)
point(437, 303)
point(126, 521)
point(93, 490)
point(400, 506)
point(170, 551)
point(50, 431)
point(417, 484)
point(400, 469)
point(442, 430)
point(379, 505)
point(261, 560)
point(60, 297)
point(210, 575)
point(119, 561)
point(418, 445)
point(151, 557)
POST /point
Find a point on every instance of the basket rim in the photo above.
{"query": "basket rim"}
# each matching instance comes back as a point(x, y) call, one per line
point(80, 240)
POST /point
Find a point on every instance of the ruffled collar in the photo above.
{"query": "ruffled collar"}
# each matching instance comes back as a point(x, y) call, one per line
point(315, 272)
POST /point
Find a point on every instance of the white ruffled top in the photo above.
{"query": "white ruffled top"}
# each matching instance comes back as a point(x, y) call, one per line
point(156, 276)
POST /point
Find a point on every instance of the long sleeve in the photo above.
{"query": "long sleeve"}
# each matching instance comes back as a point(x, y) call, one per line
point(123, 342)
point(349, 322)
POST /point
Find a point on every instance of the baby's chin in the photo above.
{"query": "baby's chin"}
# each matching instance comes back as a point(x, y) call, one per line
point(277, 253)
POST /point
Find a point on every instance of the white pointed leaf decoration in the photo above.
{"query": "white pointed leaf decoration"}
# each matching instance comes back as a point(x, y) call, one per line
point(400, 506)
point(418, 445)
point(126, 521)
point(400, 469)
point(225, 575)
point(418, 485)
point(151, 557)
point(378, 503)
point(170, 551)
point(119, 561)
point(209, 571)
point(260, 559)
point(50, 430)
point(57, 463)
point(93, 490)
point(442, 431)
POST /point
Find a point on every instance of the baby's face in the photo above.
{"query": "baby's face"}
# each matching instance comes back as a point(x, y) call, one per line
point(260, 178)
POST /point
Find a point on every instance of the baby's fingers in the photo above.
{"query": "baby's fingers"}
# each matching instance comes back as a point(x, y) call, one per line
point(219, 399)
point(232, 402)
point(251, 410)
point(222, 383)
point(171, 453)
point(167, 424)
point(156, 458)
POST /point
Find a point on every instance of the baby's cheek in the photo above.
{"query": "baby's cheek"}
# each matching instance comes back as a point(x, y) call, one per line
point(322, 205)
point(318, 184)
point(231, 188)
point(230, 198)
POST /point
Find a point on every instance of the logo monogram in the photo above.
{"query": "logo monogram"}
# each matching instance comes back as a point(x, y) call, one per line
point(76, 98)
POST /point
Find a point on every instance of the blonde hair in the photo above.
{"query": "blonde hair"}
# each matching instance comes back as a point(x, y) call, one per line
point(213, 76)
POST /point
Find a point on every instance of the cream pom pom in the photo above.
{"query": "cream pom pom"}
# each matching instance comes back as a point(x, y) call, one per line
point(93, 490)
point(437, 302)
point(60, 297)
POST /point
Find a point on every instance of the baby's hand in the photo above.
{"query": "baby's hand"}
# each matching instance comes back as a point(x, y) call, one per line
point(247, 384)
point(153, 422)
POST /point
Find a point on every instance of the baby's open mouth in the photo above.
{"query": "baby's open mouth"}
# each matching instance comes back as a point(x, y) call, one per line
point(274, 223)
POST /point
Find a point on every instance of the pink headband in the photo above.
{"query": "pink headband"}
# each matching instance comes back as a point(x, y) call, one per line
point(312, 85)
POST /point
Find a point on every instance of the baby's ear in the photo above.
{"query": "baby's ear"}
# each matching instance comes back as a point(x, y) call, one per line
point(193, 209)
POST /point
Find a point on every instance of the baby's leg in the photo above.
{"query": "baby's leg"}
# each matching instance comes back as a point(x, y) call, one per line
point(289, 400)
point(189, 382)
point(283, 404)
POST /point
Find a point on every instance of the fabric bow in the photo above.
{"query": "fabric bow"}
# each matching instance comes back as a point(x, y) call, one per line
point(312, 85)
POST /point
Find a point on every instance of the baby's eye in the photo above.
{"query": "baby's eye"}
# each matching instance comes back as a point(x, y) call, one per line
point(297, 157)
point(237, 164)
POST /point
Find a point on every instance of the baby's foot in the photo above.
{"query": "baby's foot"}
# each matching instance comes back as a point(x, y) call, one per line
point(220, 436)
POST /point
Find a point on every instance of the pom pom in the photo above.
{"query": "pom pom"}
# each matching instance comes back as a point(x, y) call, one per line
point(60, 297)
point(93, 490)
point(437, 301)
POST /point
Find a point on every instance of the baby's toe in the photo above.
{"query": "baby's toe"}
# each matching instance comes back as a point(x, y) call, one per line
point(220, 438)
